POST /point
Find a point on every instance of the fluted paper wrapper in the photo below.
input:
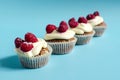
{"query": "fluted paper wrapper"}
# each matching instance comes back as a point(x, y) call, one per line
point(99, 30)
point(60, 48)
point(84, 39)
point(35, 62)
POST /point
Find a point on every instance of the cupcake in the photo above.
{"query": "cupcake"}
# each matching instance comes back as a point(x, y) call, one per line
point(97, 22)
point(33, 52)
point(83, 30)
point(61, 39)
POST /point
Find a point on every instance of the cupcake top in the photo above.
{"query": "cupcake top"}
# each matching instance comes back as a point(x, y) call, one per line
point(31, 46)
point(95, 18)
point(81, 26)
point(62, 32)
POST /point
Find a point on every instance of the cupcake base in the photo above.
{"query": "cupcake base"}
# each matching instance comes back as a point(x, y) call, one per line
point(35, 62)
point(99, 29)
point(85, 38)
point(62, 46)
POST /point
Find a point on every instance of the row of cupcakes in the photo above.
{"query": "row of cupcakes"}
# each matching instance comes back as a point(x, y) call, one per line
point(34, 52)
point(64, 37)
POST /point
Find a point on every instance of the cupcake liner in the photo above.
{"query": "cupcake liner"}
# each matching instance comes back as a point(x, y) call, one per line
point(35, 62)
point(84, 39)
point(99, 30)
point(60, 48)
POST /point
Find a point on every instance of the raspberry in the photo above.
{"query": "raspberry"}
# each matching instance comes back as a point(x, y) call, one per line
point(73, 23)
point(50, 28)
point(96, 13)
point(18, 42)
point(62, 27)
point(82, 20)
point(30, 37)
point(25, 46)
point(90, 16)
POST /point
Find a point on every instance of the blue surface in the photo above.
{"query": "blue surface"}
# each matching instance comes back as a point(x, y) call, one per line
point(98, 60)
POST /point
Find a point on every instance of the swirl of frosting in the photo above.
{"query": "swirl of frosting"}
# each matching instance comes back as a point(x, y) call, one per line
point(37, 46)
point(57, 35)
point(96, 21)
point(82, 28)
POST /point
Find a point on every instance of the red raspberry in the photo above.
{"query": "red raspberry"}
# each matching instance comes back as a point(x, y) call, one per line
point(18, 42)
point(25, 46)
point(30, 37)
point(90, 16)
point(73, 23)
point(50, 28)
point(62, 27)
point(82, 20)
point(96, 13)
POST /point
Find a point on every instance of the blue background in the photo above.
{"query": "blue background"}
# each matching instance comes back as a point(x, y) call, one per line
point(98, 60)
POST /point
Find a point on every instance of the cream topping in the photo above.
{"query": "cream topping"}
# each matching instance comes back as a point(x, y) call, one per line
point(82, 28)
point(97, 20)
point(37, 46)
point(57, 35)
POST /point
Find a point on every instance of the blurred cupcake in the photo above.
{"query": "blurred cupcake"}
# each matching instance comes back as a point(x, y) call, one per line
point(83, 30)
point(61, 39)
point(97, 22)
point(33, 52)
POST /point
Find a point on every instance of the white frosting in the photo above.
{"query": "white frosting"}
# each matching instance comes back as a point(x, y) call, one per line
point(57, 35)
point(82, 28)
point(37, 46)
point(97, 20)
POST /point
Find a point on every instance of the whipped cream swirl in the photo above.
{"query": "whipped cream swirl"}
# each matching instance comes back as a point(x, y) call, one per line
point(57, 35)
point(82, 28)
point(37, 46)
point(96, 21)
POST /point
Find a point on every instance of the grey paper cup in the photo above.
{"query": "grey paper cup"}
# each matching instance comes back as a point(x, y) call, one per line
point(60, 48)
point(35, 62)
point(99, 30)
point(84, 39)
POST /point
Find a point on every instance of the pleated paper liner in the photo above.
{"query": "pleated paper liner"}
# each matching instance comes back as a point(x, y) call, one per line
point(60, 48)
point(99, 30)
point(35, 62)
point(84, 39)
